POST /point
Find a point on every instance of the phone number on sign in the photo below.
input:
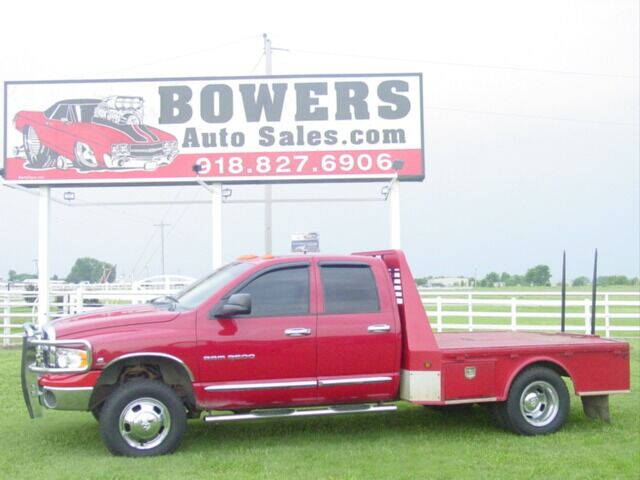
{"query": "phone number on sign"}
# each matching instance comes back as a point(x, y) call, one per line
point(295, 164)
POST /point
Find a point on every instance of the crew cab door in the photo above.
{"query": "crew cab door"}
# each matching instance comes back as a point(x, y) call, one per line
point(358, 333)
point(267, 357)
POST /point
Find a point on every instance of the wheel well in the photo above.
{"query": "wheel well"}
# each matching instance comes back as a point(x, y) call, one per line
point(551, 365)
point(559, 369)
point(165, 370)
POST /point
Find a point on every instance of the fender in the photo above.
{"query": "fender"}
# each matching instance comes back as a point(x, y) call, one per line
point(529, 362)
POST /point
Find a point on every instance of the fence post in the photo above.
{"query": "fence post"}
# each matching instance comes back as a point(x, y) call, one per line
point(470, 311)
point(607, 319)
point(67, 304)
point(79, 300)
point(7, 321)
point(514, 314)
point(587, 316)
point(439, 314)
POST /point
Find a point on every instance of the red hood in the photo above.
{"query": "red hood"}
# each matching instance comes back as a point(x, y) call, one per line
point(111, 318)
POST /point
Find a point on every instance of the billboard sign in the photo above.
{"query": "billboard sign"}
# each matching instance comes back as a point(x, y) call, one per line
point(305, 242)
point(234, 129)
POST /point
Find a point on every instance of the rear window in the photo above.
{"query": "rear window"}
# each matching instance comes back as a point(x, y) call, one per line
point(349, 289)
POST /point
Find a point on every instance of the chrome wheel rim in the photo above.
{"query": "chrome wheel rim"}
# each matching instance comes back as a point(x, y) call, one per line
point(33, 144)
point(539, 403)
point(144, 423)
point(85, 156)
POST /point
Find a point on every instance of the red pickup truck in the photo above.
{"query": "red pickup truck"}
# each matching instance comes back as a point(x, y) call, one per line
point(301, 336)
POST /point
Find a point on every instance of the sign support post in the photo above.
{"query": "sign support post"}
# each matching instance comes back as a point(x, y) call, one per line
point(44, 204)
point(216, 224)
point(394, 213)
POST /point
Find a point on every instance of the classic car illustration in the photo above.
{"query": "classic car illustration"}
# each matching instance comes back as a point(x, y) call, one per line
point(94, 134)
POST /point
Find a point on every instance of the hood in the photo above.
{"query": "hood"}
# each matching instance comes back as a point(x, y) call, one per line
point(105, 318)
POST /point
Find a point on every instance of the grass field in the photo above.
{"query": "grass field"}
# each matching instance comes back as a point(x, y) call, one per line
point(414, 443)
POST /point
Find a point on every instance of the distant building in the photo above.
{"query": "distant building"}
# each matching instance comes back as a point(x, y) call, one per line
point(447, 282)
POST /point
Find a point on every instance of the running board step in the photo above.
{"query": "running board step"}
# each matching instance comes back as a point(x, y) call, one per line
point(292, 412)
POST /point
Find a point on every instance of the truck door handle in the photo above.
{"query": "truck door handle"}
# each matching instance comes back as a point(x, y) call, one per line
point(379, 328)
point(297, 332)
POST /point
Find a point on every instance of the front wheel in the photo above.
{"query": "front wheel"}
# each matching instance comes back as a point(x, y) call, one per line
point(538, 402)
point(142, 418)
point(84, 156)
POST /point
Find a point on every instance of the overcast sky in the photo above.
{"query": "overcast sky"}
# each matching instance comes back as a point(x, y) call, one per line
point(531, 127)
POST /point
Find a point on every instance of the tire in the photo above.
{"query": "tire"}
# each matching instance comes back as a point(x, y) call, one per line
point(96, 412)
point(142, 418)
point(538, 402)
point(38, 155)
point(498, 412)
point(84, 157)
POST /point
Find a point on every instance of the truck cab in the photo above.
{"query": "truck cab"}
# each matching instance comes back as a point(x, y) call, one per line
point(300, 336)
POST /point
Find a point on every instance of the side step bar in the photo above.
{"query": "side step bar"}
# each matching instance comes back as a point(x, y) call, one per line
point(292, 412)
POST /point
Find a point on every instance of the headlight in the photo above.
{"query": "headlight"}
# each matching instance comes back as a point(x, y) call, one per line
point(71, 358)
point(170, 146)
point(120, 149)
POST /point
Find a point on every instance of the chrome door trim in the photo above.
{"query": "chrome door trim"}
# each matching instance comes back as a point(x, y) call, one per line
point(379, 328)
point(260, 386)
point(352, 381)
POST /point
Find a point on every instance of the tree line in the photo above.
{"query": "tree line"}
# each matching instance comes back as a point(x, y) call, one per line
point(85, 269)
point(540, 276)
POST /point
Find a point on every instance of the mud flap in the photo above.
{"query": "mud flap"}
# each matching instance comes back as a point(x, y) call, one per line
point(596, 406)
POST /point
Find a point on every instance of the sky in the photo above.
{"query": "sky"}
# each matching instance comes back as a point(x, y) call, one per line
point(531, 129)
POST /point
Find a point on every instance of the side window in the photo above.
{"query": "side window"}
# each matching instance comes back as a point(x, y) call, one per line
point(349, 289)
point(61, 113)
point(280, 292)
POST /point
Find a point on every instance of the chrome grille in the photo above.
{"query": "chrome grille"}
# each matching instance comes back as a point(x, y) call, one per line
point(146, 150)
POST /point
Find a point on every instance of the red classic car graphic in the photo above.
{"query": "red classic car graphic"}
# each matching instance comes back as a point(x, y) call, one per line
point(93, 134)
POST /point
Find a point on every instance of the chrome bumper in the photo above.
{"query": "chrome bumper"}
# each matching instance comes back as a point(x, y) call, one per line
point(145, 162)
point(33, 364)
point(66, 398)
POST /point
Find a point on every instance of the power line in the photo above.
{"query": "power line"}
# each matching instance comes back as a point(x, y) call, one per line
point(524, 115)
point(162, 225)
point(467, 65)
point(257, 63)
point(190, 54)
point(169, 232)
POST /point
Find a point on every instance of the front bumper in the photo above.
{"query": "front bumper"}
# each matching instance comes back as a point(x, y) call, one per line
point(35, 365)
point(145, 162)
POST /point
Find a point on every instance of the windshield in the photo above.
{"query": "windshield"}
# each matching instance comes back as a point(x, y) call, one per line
point(198, 292)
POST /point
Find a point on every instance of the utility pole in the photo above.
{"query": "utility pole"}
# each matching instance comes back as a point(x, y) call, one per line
point(162, 225)
point(268, 242)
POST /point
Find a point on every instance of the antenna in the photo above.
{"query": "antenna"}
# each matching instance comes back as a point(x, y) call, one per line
point(593, 293)
point(564, 291)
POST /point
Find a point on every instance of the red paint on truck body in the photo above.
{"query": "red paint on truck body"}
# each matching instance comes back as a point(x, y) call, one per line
point(339, 351)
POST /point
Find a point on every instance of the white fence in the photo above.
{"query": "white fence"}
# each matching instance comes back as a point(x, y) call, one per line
point(617, 313)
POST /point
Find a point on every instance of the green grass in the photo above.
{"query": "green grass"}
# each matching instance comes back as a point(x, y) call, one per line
point(413, 443)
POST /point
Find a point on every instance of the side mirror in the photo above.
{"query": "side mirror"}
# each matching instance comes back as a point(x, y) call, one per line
point(236, 304)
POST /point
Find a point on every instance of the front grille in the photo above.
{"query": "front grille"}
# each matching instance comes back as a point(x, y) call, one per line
point(146, 150)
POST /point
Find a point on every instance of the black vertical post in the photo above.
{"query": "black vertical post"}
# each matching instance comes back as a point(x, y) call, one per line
point(593, 293)
point(564, 291)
